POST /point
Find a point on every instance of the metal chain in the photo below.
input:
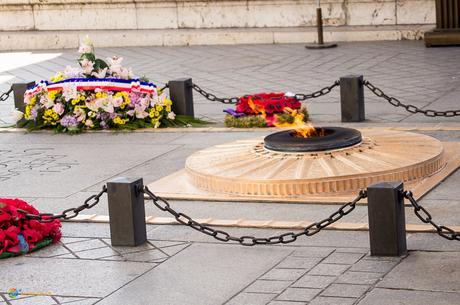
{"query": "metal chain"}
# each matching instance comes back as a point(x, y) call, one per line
point(409, 108)
point(425, 217)
point(234, 100)
point(5, 95)
point(322, 92)
point(164, 87)
point(213, 98)
point(285, 238)
point(90, 202)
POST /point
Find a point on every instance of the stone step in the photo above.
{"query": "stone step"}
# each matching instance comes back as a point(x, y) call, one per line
point(35, 40)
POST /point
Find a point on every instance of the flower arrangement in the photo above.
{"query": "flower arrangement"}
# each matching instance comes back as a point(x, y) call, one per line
point(96, 95)
point(265, 110)
point(19, 235)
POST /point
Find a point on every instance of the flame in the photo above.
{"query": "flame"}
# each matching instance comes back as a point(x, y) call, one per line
point(301, 128)
point(256, 108)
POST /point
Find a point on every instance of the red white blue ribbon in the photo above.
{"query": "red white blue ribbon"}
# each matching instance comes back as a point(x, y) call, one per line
point(111, 84)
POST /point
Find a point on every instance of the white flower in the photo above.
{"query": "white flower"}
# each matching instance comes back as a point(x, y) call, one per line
point(69, 91)
point(89, 123)
point(86, 46)
point(87, 66)
point(17, 115)
point(115, 61)
point(139, 112)
point(58, 108)
point(46, 102)
point(100, 73)
point(71, 72)
point(107, 106)
point(125, 73)
point(80, 114)
point(116, 101)
point(171, 116)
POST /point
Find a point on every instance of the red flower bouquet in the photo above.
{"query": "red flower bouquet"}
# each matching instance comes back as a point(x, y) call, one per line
point(19, 235)
point(268, 103)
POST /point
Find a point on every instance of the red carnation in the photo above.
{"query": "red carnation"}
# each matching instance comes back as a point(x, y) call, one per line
point(18, 234)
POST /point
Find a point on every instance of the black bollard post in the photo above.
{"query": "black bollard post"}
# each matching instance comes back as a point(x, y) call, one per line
point(181, 93)
point(126, 212)
point(387, 225)
point(352, 98)
point(19, 89)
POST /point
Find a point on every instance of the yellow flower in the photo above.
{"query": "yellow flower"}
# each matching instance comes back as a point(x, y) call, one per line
point(101, 94)
point(52, 94)
point(126, 99)
point(78, 99)
point(50, 117)
point(27, 112)
point(159, 107)
point(33, 100)
point(168, 102)
point(168, 108)
point(120, 121)
point(58, 77)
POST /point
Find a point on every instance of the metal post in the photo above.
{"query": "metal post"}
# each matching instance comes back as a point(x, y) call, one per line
point(19, 89)
point(126, 212)
point(319, 27)
point(387, 226)
point(319, 24)
point(181, 92)
point(352, 98)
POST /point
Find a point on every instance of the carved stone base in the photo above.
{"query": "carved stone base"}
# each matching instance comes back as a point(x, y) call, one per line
point(244, 170)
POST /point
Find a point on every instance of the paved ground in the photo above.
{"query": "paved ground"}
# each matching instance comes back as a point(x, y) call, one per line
point(426, 77)
point(181, 266)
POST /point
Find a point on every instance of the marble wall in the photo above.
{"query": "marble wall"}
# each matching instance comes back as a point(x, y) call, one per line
point(58, 15)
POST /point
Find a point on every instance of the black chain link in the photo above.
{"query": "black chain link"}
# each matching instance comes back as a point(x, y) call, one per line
point(322, 92)
point(90, 202)
point(214, 98)
point(425, 217)
point(234, 100)
point(5, 95)
point(164, 87)
point(285, 238)
point(409, 108)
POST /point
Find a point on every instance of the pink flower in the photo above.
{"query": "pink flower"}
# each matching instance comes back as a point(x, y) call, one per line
point(139, 112)
point(80, 114)
point(69, 91)
point(58, 108)
point(87, 66)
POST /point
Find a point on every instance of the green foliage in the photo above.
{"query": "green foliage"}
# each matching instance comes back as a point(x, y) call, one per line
point(249, 121)
point(285, 117)
point(144, 78)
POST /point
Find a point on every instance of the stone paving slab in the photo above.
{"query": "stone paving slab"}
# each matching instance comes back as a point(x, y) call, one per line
point(192, 284)
point(65, 277)
point(426, 271)
point(46, 166)
point(409, 297)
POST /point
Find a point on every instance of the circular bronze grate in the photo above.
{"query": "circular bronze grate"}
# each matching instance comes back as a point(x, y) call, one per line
point(331, 138)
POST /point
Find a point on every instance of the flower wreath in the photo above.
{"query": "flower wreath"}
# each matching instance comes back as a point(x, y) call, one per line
point(97, 95)
point(264, 109)
point(19, 235)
